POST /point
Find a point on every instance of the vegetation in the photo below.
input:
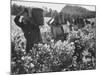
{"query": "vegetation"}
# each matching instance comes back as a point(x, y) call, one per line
point(15, 9)
point(77, 52)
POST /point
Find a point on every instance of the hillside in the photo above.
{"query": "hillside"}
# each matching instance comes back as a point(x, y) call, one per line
point(78, 11)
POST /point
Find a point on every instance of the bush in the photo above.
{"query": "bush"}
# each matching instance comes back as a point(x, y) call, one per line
point(77, 52)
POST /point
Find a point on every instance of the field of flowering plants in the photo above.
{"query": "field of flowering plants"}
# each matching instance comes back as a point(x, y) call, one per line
point(77, 52)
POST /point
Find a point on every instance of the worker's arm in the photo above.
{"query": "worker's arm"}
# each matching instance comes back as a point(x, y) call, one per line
point(50, 21)
point(16, 20)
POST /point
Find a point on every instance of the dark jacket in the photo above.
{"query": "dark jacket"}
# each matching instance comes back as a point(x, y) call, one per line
point(31, 31)
point(25, 27)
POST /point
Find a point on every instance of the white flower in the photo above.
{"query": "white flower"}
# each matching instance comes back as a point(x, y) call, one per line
point(46, 45)
point(85, 60)
point(23, 50)
point(32, 65)
point(85, 53)
point(52, 40)
point(39, 45)
point(23, 58)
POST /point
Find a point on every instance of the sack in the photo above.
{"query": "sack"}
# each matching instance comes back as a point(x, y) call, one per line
point(37, 16)
point(56, 31)
point(66, 28)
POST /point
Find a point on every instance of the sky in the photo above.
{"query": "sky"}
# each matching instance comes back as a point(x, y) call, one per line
point(53, 6)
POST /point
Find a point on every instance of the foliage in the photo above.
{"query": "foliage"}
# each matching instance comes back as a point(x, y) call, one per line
point(77, 52)
point(15, 9)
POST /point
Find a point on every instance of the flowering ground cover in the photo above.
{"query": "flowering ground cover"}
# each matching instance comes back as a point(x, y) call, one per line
point(77, 52)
